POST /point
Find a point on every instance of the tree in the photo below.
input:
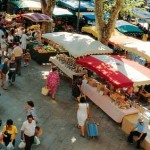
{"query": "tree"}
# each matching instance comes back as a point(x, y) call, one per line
point(47, 8)
point(105, 27)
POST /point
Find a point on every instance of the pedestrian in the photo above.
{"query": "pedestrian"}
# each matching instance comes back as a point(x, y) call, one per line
point(30, 110)
point(82, 114)
point(18, 53)
point(9, 132)
point(140, 130)
point(10, 40)
point(4, 71)
point(53, 81)
point(26, 57)
point(24, 41)
point(0, 56)
point(76, 88)
point(12, 70)
point(3, 45)
point(28, 132)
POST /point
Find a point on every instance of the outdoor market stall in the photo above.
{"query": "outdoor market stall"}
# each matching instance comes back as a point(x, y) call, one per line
point(85, 6)
point(128, 29)
point(15, 6)
point(64, 19)
point(77, 45)
point(137, 49)
point(119, 73)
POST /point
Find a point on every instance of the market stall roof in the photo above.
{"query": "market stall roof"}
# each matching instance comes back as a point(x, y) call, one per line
point(31, 5)
point(140, 48)
point(142, 14)
point(61, 12)
point(92, 30)
point(120, 72)
point(76, 44)
point(74, 4)
point(37, 17)
point(125, 27)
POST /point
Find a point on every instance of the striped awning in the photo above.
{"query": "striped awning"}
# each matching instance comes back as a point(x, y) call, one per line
point(37, 17)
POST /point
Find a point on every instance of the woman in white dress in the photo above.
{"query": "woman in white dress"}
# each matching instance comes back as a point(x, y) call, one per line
point(24, 41)
point(82, 114)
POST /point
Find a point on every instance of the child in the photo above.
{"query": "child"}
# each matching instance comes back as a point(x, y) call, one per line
point(27, 58)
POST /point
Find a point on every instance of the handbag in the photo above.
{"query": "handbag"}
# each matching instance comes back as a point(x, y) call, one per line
point(45, 91)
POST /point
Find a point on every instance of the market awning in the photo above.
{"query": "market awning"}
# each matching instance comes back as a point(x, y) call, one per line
point(92, 30)
point(142, 14)
point(76, 44)
point(140, 48)
point(74, 5)
point(37, 17)
point(127, 28)
point(120, 72)
point(61, 12)
point(31, 5)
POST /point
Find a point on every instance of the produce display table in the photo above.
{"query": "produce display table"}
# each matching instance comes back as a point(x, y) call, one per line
point(63, 68)
point(104, 102)
point(40, 57)
point(129, 123)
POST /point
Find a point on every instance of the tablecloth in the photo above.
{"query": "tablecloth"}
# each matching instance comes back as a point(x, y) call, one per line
point(104, 102)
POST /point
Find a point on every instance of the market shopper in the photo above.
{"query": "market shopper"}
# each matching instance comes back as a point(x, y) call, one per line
point(28, 132)
point(53, 81)
point(3, 45)
point(76, 88)
point(30, 110)
point(18, 53)
point(9, 132)
point(24, 38)
point(12, 70)
point(140, 130)
point(4, 71)
point(82, 114)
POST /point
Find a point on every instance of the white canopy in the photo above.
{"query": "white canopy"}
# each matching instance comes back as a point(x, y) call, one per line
point(76, 44)
point(142, 14)
point(140, 48)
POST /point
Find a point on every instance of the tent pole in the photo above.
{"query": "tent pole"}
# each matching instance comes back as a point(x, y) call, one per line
point(78, 17)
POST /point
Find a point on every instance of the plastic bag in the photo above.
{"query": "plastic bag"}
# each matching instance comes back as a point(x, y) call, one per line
point(36, 140)
point(22, 145)
point(10, 146)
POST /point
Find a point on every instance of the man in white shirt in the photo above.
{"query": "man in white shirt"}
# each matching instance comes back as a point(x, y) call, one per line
point(28, 132)
point(18, 53)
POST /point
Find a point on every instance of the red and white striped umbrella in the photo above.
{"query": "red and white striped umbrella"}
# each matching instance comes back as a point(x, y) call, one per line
point(120, 72)
point(37, 17)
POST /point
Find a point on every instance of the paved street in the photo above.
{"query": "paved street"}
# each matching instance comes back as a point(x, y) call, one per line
point(57, 119)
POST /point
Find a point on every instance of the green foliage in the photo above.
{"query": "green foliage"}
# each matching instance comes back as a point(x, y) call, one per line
point(129, 5)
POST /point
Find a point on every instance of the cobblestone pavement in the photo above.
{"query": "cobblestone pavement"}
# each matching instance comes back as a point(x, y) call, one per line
point(57, 118)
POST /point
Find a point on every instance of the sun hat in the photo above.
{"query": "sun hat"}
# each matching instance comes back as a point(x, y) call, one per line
point(141, 119)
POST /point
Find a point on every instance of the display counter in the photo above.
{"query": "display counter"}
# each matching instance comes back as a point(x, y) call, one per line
point(129, 123)
point(106, 104)
point(70, 73)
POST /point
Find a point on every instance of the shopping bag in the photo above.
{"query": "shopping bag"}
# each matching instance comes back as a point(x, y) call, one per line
point(10, 146)
point(36, 140)
point(22, 144)
point(45, 91)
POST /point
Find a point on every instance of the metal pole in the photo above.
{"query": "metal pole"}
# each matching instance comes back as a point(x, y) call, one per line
point(78, 17)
